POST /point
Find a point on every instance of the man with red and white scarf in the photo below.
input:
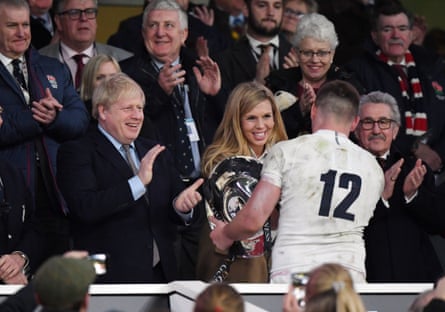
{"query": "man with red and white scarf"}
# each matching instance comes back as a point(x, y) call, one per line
point(411, 74)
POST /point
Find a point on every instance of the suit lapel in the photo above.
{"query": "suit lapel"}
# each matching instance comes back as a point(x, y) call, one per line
point(283, 50)
point(9, 80)
point(243, 54)
point(107, 150)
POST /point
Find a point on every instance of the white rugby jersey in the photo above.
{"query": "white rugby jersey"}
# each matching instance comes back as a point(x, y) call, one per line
point(329, 189)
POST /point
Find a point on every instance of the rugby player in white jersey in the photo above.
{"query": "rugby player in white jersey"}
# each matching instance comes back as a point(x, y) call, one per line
point(327, 188)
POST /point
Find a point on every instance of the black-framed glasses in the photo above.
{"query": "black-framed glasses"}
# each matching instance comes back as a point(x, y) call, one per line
point(368, 123)
point(75, 14)
point(292, 13)
point(308, 54)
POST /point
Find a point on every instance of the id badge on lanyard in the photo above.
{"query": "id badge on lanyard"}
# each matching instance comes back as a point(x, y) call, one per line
point(192, 132)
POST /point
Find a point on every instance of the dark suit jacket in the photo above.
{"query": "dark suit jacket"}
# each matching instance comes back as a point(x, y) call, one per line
point(398, 248)
point(93, 176)
point(20, 130)
point(22, 300)
point(129, 35)
point(17, 211)
point(237, 64)
point(40, 36)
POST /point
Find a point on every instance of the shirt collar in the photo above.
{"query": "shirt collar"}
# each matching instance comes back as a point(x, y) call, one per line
point(262, 156)
point(117, 145)
point(384, 156)
point(6, 60)
point(159, 65)
point(402, 63)
point(69, 53)
point(44, 17)
point(275, 41)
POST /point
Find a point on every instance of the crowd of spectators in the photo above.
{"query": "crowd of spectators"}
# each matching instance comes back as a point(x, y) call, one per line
point(124, 148)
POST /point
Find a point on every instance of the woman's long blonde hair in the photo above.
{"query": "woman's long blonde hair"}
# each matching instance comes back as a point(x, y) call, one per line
point(330, 288)
point(89, 74)
point(229, 139)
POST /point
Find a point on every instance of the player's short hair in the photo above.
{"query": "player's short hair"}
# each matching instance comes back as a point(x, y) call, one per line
point(339, 98)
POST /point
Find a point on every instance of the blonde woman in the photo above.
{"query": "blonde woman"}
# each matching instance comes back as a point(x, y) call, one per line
point(97, 69)
point(329, 289)
point(251, 124)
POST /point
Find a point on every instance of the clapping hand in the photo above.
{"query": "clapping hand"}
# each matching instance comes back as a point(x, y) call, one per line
point(45, 110)
point(263, 65)
point(290, 60)
point(391, 176)
point(307, 99)
point(204, 14)
point(209, 77)
point(414, 179)
point(145, 172)
point(170, 76)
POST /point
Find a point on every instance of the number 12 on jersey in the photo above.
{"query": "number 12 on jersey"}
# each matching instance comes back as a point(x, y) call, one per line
point(349, 181)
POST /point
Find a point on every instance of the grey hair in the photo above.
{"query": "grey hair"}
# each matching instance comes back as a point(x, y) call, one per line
point(166, 5)
point(378, 97)
point(111, 90)
point(60, 6)
point(312, 6)
point(317, 27)
point(15, 3)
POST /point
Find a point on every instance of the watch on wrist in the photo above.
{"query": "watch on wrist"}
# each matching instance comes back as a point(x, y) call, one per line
point(24, 257)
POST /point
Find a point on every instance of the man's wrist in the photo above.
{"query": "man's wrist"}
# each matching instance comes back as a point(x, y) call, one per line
point(23, 256)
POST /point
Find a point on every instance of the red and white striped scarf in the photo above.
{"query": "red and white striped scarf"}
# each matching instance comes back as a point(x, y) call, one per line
point(416, 119)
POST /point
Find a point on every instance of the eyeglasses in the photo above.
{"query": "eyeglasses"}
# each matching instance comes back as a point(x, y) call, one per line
point(75, 14)
point(307, 54)
point(292, 13)
point(368, 124)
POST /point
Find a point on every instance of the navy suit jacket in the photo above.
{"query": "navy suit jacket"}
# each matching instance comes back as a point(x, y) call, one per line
point(93, 177)
point(20, 130)
point(16, 226)
point(40, 36)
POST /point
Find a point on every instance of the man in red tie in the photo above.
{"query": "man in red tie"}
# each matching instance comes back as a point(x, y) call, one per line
point(77, 25)
point(411, 74)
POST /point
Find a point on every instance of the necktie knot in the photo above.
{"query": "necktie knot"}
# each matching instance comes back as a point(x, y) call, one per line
point(78, 58)
point(401, 71)
point(42, 21)
point(381, 161)
point(263, 47)
point(16, 62)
